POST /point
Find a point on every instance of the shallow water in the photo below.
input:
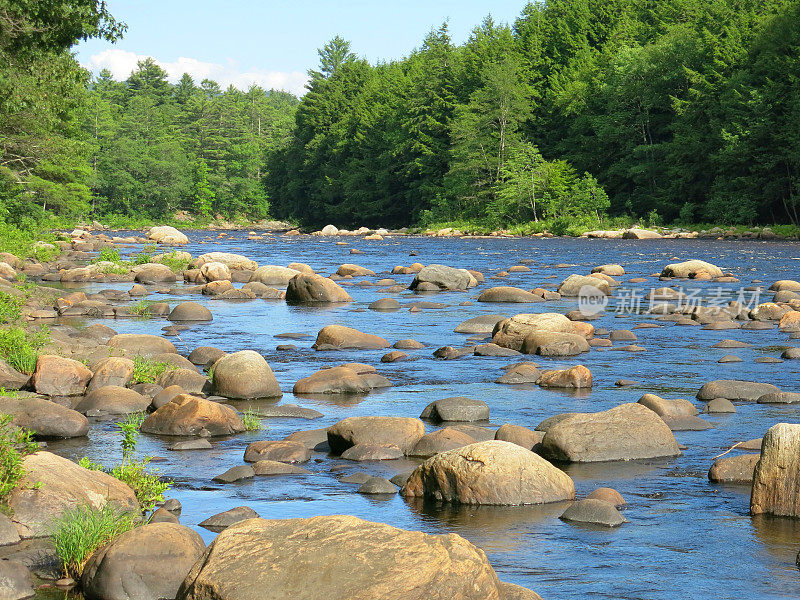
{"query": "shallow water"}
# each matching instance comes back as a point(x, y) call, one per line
point(686, 537)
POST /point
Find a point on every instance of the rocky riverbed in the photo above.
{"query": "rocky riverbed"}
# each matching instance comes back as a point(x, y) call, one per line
point(445, 412)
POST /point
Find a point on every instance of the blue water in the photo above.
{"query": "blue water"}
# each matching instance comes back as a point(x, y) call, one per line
point(686, 537)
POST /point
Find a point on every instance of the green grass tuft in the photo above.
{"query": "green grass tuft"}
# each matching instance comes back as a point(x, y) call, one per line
point(20, 347)
point(147, 370)
point(251, 420)
point(15, 444)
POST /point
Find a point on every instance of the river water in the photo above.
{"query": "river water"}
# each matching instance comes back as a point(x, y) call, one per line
point(686, 538)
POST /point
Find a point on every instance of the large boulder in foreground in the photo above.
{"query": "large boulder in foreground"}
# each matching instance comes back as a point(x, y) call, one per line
point(776, 480)
point(164, 234)
point(44, 418)
point(187, 415)
point(338, 336)
point(511, 333)
point(145, 563)
point(309, 288)
point(691, 269)
point(443, 277)
point(245, 374)
point(53, 484)
point(338, 558)
point(493, 472)
point(403, 432)
point(59, 376)
point(732, 389)
point(625, 432)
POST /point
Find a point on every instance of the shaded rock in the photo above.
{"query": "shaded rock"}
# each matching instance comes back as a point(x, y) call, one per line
point(225, 519)
point(274, 467)
point(440, 441)
point(408, 345)
point(402, 432)
point(58, 376)
point(493, 350)
point(15, 579)
point(686, 423)
point(691, 269)
point(607, 494)
point(457, 408)
point(734, 469)
point(215, 271)
point(188, 415)
point(385, 304)
point(402, 564)
point(44, 418)
point(595, 512)
point(576, 285)
point(732, 389)
point(492, 472)
point(625, 432)
point(277, 450)
point(361, 452)
point(377, 485)
point(719, 405)
point(273, 275)
point(668, 408)
point(521, 436)
point(53, 484)
point(10, 378)
point(113, 400)
point(305, 288)
point(114, 370)
point(523, 373)
point(339, 336)
point(235, 474)
point(313, 439)
point(291, 411)
point(153, 273)
point(552, 343)
point(190, 311)
point(779, 398)
point(189, 380)
point(199, 444)
point(394, 356)
point(512, 591)
point(205, 356)
point(162, 515)
point(245, 374)
point(339, 380)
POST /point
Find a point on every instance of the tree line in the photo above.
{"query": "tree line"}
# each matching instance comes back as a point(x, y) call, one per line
point(680, 110)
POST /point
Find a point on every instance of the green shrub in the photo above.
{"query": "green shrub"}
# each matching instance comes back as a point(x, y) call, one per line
point(10, 308)
point(130, 433)
point(147, 370)
point(146, 484)
point(15, 444)
point(20, 348)
point(174, 262)
point(80, 531)
point(142, 308)
point(251, 420)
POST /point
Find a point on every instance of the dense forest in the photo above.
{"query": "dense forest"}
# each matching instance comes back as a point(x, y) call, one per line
point(679, 110)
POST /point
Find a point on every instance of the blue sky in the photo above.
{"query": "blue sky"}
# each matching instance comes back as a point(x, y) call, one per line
point(274, 43)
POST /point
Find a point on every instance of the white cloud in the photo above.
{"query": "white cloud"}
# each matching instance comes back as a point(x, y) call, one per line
point(121, 63)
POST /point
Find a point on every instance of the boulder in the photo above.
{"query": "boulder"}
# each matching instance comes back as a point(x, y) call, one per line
point(225, 519)
point(114, 370)
point(352, 270)
point(308, 288)
point(339, 336)
point(481, 324)
point(145, 563)
point(769, 311)
point(521, 436)
point(187, 379)
point(457, 408)
point(640, 234)
point(10, 378)
point(245, 374)
point(594, 512)
point(492, 472)
point(190, 311)
point(776, 480)
point(691, 269)
point(493, 350)
point(779, 398)
point(377, 485)
point(53, 484)
point(512, 591)
point(519, 374)
point(215, 271)
point(790, 322)
point(59, 376)
point(234, 474)
point(361, 452)
point(44, 418)
point(152, 273)
point(273, 275)
point(385, 304)
point(508, 294)
point(613, 270)
point(785, 285)
point(668, 408)
point(554, 343)
point(625, 432)
point(440, 441)
point(303, 559)
point(402, 432)
point(339, 380)
point(164, 234)
point(607, 494)
point(577, 285)
point(113, 400)
point(732, 389)
point(141, 344)
point(15, 580)
point(187, 415)
point(273, 467)
point(719, 405)
point(205, 356)
point(578, 377)
point(443, 278)
point(734, 469)
point(234, 262)
point(511, 333)
point(277, 450)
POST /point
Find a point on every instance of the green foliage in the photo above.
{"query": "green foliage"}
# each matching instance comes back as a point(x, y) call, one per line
point(15, 444)
point(142, 307)
point(251, 420)
point(10, 308)
point(145, 483)
point(129, 427)
point(20, 347)
point(80, 531)
point(175, 262)
point(147, 370)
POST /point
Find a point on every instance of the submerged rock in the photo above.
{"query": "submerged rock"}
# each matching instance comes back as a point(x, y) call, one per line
point(595, 512)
